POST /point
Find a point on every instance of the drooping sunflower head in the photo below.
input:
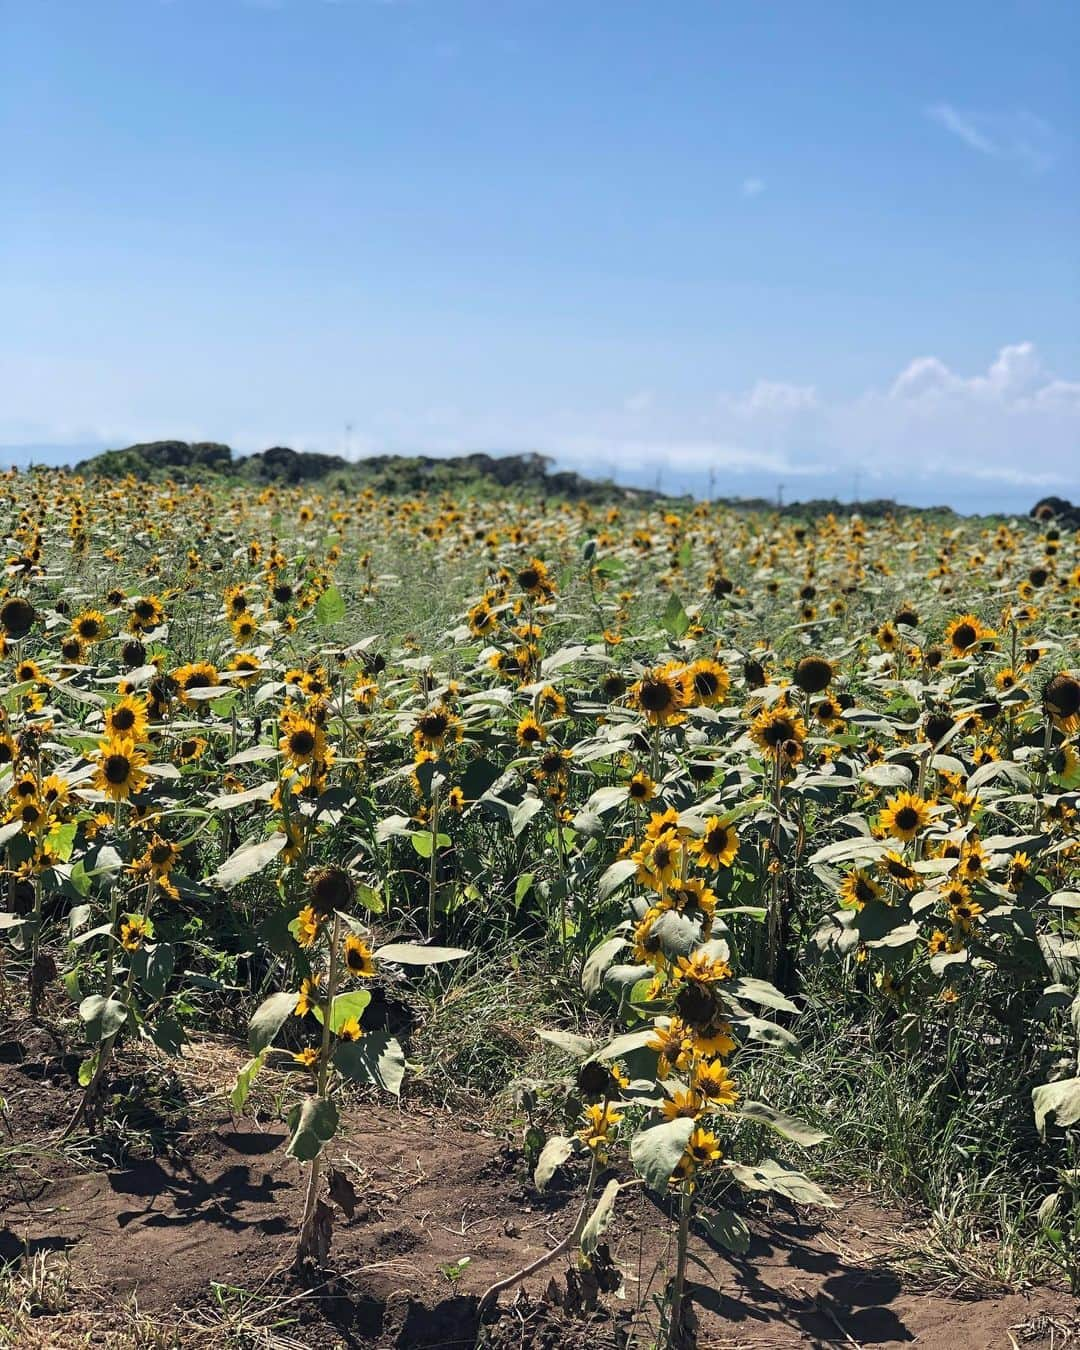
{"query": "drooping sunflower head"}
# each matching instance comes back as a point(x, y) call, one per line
point(17, 616)
point(330, 889)
point(1061, 701)
point(813, 674)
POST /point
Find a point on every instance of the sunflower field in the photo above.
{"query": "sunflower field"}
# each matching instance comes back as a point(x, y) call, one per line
point(717, 862)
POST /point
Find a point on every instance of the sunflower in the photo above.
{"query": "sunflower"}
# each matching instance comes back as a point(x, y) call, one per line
point(905, 815)
point(246, 666)
point(964, 633)
point(858, 889)
point(702, 1150)
point(530, 732)
point(359, 961)
point(683, 1103)
point(308, 1057)
point(134, 931)
point(196, 675)
point(702, 969)
point(301, 742)
point(127, 717)
point(659, 860)
point(534, 579)
point(244, 626)
point(146, 614)
point(715, 1084)
point(661, 695)
point(435, 726)
point(718, 844)
point(72, 650)
point(893, 866)
point(601, 1121)
point(707, 682)
point(482, 619)
point(120, 768)
point(641, 787)
point(1061, 701)
point(672, 1045)
point(773, 728)
point(350, 1029)
point(309, 996)
point(89, 626)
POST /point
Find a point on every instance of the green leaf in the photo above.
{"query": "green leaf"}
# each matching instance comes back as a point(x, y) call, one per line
point(413, 954)
point(244, 1079)
point(376, 1058)
point(621, 870)
point(558, 1150)
point(727, 1228)
point(103, 1016)
point(1059, 1101)
point(270, 1016)
point(246, 861)
point(578, 1046)
point(346, 1006)
point(522, 889)
point(600, 1218)
point(675, 619)
point(371, 900)
point(769, 1175)
point(761, 992)
point(592, 974)
point(313, 1123)
point(152, 967)
point(521, 814)
point(655, 1152)
point(329, 608)
point(789, 1126)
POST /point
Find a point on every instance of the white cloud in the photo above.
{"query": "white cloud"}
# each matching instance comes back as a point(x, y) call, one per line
point(1019, 135)
point(752, 187)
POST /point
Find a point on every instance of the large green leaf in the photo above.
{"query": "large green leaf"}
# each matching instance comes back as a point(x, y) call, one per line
point(414, 954)
point(329, 608)
point(1058, 1101)
point(600, 1218)
point(270, 1016)
point(769, 1175)
point(246, 862)
point(103, 1016)
point(376, 1058)
point(789, 1126)
point(558, 1150)
point(312, 1123)
point(655, 1152)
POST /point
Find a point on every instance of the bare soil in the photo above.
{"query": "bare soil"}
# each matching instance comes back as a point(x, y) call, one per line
point(195, 1220)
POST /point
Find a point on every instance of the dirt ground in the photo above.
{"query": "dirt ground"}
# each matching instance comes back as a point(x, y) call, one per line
point(194, 1225)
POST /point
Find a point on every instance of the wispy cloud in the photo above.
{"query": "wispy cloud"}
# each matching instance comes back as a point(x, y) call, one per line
point(752, 187)
point(1021, 135)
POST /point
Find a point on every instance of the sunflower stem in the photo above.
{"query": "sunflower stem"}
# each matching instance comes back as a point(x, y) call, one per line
point(433, 863)
point(305, 1241)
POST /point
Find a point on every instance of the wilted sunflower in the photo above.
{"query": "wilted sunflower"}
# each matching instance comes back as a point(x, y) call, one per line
point(905, 815)
point(17, 617)
point(814, 674)
point(120, 768)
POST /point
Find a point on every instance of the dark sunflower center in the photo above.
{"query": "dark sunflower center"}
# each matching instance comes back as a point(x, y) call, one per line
point(656, 695)
point(117, 769)
point(706, 684)
point(88, 628)
point(964, 636)
point(302, 742)
point(779, 731)
point(160, 854)
point(907, 818)
point(123, 719)
point(528, 578)
point(864, 891)
point(716, 840)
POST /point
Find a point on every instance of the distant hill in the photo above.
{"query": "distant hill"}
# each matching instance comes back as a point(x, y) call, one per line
point(520, 475)
point(406, 474)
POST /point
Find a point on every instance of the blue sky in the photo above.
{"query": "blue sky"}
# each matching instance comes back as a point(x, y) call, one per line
point(827, 244)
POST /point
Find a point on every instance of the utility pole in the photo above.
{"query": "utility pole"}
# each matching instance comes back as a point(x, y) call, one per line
point(779, 495)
